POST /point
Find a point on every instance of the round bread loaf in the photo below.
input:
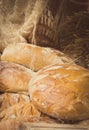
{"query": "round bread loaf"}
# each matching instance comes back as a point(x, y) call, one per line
point(14, 77)
point(61, 91)
point(32, 56)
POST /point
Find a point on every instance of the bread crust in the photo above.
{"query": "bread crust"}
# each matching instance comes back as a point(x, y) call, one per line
point(62, 91)
point(14, 77)
point(32, 56)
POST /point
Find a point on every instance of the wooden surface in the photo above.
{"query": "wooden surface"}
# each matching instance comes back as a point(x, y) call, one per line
point(45, 126)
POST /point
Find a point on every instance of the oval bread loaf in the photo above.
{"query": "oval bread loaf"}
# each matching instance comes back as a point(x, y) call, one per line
point(61, 91)
point(32, 56)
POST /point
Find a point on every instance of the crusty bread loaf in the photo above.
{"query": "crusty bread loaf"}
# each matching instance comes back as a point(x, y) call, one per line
point(14, 77)
point(61, 91)
point(33, 56)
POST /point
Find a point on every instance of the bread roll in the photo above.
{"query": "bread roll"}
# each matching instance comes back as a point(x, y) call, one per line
point(21, 111)
point(17, 107)
point(32, 56)
point(14, 77)
point(62, 91)
point(7, 100)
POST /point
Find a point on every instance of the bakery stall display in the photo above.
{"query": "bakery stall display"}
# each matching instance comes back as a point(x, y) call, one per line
point(61, 91)
point(15, 104)
point(55, 91)
point(44, 64)
point(32, 56)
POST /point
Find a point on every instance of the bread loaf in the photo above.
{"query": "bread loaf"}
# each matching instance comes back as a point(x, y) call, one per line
point(62, 91)
point(32, 56)
point(14, 77)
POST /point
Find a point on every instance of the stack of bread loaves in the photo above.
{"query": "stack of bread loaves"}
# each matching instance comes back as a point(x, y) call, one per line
point(59, 88)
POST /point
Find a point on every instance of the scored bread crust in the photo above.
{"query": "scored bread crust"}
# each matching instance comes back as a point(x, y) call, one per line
point(17, 107)
point(61, 91)
point(8, 100)
point(14, 77)
point(32, 56)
